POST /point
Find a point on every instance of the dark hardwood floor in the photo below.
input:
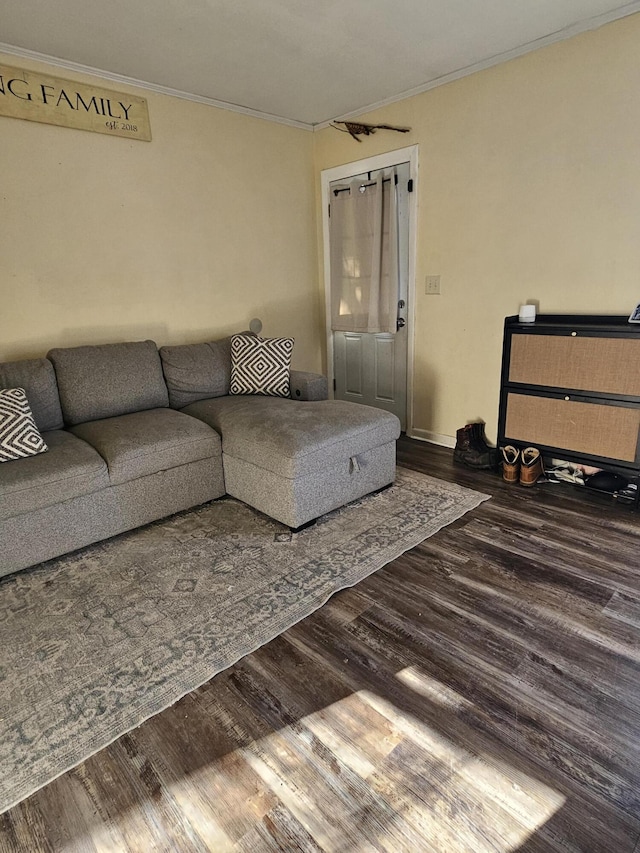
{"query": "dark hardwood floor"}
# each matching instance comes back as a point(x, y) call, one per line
point(480, 693)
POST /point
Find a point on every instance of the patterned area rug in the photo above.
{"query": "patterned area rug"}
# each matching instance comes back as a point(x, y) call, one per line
point(94, 643)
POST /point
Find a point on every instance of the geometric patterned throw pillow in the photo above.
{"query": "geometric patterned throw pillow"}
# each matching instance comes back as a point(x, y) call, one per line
point(19, 436)
point(260, 365)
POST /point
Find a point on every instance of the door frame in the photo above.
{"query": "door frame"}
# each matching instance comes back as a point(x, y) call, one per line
point(341, 173)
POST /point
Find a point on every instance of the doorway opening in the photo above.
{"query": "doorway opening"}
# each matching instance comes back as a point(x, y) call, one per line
point(376, 368)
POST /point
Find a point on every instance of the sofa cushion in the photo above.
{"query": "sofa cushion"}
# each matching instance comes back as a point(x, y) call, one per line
point(260, 365)
point(293, 438)
point(19, 435)
point(69, 469)
point(108, 380)
point(38, 379)
point(142, 443)
point(196, 371)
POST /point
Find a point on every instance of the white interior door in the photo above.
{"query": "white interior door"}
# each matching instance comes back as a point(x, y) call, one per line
point(372, 368)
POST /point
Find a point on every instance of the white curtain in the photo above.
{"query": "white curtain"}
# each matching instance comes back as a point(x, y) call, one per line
point(363, 233)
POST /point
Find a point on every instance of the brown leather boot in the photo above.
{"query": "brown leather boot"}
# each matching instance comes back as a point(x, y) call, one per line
point(469, 452)
point(531, 466)
point(510, 464)
point(478, 437)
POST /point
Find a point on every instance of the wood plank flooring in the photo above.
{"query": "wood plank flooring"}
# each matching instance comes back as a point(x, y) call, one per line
point(480, 693)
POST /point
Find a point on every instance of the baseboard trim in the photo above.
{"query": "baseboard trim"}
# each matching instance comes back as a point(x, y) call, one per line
point(433, 437)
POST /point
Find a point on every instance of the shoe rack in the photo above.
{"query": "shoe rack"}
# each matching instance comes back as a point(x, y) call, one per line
point(570, 386)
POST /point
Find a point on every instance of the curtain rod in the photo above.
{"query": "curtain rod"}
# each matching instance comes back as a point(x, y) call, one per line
point(372, 184)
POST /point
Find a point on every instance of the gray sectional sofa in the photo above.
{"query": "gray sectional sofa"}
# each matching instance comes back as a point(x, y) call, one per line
point(135, 434)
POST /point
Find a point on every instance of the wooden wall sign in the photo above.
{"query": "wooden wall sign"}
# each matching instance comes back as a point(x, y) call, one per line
point(38, 97)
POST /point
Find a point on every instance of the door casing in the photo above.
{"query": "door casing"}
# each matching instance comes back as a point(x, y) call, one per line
point(371, 368)
point(372, 164)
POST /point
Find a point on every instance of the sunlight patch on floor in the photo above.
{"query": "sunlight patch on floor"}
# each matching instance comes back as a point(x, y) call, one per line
point(363, 768)
point(431, 688)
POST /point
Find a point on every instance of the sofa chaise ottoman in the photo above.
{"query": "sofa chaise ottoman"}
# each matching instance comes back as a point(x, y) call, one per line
point(292, 458)
point(296, 461)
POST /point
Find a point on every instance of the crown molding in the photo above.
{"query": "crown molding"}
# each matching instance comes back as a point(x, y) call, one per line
point(56, 62)
point(560, 35)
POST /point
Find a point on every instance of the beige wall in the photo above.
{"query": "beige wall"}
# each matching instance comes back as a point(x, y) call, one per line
point(529, 188)
point(182, 239)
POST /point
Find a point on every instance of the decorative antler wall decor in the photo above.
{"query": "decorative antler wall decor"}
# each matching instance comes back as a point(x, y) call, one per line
point(357, 129)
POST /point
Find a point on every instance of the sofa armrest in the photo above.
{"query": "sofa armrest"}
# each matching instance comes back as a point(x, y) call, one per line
point(308, 386)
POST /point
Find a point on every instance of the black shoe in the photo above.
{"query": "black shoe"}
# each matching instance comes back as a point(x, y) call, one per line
point(471, 453)
point(477, 430)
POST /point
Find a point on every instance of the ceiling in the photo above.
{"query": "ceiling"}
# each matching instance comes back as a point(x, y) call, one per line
point(297, 61)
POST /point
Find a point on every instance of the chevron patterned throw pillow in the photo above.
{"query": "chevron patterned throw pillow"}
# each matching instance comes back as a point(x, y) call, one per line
point(19, 435)
point(260, 365)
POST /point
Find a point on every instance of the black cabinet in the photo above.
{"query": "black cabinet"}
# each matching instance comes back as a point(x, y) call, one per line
point(571, 387)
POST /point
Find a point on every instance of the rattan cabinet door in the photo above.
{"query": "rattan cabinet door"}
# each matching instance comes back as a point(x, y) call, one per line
point(593, 429)
point(577, 362)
